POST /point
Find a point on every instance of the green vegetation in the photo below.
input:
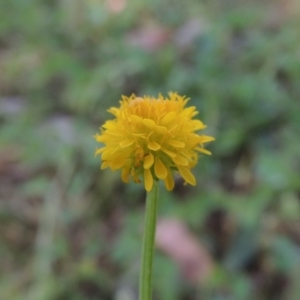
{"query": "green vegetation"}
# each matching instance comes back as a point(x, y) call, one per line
point(69, 231)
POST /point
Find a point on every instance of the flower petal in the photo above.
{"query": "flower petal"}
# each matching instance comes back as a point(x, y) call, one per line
point(126, 143)
point(177, 144)
point(125, 175)
point(203, 150)
point(198, 125)
point(187, 175)
point(100, 150)
point(106, 154)
point(149, 123)
point(180, 160)
point(152, 145)
point(117, 162)
point(160, 129)
point(104, 165)
point(205, 139)
point(160, 169)
point(188, 112)
point(169, 182)
point(148, 161)
point(148, 180)
point(98, 137)
point(170, 153)
point(167, 118)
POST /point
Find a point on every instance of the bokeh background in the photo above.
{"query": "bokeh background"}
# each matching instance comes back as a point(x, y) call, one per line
point(69, 231)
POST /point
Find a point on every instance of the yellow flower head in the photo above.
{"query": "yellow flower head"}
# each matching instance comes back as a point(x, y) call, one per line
point(151, 139)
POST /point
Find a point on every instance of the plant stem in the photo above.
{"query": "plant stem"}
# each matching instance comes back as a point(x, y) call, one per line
point(145, 288)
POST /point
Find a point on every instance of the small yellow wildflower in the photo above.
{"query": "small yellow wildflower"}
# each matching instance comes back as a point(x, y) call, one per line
point(151, 138)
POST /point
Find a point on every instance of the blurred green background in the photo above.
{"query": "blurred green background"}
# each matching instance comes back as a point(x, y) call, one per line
point(69, 231)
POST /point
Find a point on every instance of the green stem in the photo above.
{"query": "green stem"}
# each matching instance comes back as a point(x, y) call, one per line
point(148, 244)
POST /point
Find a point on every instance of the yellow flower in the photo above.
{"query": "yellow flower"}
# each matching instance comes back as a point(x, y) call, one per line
point(152, 139)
